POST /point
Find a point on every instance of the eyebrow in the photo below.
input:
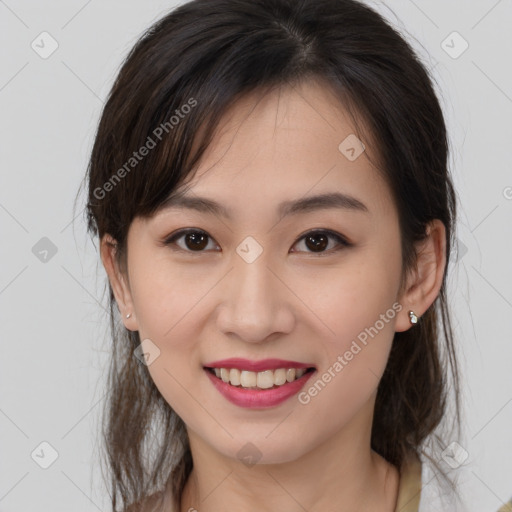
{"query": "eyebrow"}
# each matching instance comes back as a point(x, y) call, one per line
point(291, 207)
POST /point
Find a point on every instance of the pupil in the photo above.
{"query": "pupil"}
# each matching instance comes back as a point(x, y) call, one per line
point(322, 244)
point(198, 240)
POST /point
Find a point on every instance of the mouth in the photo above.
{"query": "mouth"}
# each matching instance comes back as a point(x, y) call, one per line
point(262, 380)
point(259, 384)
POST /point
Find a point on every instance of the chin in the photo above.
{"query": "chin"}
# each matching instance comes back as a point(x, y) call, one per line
point(252, 450)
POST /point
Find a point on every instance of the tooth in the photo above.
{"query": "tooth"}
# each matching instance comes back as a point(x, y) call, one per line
point(290, 374)
point(279, 377)
point(248, 379)
point(234, 377)
point(265, 379)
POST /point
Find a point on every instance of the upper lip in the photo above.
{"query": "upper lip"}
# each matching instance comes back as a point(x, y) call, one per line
point(256, 366)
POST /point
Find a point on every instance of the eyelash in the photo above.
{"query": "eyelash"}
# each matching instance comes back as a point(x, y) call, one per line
point(333, 234)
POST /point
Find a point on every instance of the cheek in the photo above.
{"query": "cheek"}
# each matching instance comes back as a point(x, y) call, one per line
point(352, 297)
point(169, 304)
point(167, 299)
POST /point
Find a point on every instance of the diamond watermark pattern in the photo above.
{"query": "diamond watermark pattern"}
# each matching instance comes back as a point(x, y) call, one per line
point(44, 45)
point(351, 147)
point(249, 249)
point(461, 250)
point(147, 352)
point(454, 45)
point(454, 455)
point(249, 454)
point(44, 250)
point(44, 455)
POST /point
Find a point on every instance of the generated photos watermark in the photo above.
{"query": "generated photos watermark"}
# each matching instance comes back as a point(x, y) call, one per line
point(137, 156)
point(344, 359)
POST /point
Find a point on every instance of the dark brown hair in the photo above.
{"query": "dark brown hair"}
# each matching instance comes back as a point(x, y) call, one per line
point(170, 93)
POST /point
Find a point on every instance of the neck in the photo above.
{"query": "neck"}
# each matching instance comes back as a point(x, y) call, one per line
point(341, 473)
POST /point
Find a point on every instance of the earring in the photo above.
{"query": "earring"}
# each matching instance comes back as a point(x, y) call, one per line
point(413, 318)
point(128, 315)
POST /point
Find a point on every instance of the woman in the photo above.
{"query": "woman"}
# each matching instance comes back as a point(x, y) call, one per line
point(270, 189)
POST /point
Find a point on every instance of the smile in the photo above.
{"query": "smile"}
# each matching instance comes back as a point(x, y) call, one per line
point(258, 384)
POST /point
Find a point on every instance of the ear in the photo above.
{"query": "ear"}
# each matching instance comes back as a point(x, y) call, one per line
point(424, 283)
point(118, 282)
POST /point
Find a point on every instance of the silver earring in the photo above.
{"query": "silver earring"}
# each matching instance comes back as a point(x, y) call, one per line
point(128, 315)
point(413, 318)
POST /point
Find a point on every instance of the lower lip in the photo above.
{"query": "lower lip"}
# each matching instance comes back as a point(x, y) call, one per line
point(256, 398)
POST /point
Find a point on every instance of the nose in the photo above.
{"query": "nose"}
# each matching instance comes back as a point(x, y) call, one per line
point(257, 303)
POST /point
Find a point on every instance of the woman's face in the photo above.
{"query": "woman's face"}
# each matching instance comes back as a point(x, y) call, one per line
point(251, 284)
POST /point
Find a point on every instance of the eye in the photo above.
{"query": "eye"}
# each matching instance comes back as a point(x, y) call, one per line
point(196, 240)
point(318, 240)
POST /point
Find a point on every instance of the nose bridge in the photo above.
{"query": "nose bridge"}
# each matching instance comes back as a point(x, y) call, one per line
point(255, 306)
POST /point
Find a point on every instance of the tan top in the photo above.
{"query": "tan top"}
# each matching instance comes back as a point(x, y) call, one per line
point(409, 488)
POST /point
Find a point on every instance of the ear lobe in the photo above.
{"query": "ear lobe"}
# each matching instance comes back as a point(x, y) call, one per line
point(424, 283)
point(118, 282)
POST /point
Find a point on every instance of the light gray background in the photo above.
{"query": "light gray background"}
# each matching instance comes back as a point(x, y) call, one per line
point(54, 343)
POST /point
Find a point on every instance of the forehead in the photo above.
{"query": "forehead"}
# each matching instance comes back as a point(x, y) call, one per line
point(296, 141)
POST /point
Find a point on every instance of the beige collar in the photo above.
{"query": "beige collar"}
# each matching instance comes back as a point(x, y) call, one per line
point(409, 488)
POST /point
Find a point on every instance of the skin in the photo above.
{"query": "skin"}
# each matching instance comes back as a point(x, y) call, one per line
point(290, 303)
